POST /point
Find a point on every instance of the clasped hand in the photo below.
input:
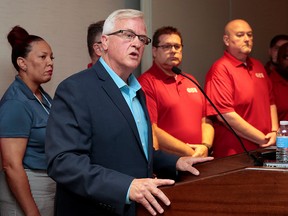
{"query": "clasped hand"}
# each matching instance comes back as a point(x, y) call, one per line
point(199, 150)
point(270, 139)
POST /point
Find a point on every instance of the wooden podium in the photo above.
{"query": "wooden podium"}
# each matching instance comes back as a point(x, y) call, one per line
point(228, 186)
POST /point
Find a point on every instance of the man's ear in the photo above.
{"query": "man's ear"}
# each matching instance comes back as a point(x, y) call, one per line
point(22, 63)
point(226, 40)
point(104, 42)
point(97, 49)
point(154, 49)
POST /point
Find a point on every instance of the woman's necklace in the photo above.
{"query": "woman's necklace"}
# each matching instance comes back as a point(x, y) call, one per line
point(43, 96)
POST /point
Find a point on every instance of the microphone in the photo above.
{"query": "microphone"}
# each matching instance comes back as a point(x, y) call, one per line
point(257, 161)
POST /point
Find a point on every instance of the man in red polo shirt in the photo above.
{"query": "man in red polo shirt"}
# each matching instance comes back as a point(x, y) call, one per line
point(276, 42)
point(175, 104)
point(279, 78)
point(239, 87)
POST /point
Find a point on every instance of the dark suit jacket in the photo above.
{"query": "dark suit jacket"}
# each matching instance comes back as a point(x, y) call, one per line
point(93, 146)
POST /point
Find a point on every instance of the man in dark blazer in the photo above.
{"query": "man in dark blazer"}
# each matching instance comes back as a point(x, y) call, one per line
point(99, 142)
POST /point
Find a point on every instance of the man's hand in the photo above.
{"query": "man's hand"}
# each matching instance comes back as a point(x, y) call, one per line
point(145, 192)
point(200, 150)
point(270, 138)
point(185, 163)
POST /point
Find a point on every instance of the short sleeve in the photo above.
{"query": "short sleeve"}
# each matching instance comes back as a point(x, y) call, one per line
point(15, 119)
point(219, 88)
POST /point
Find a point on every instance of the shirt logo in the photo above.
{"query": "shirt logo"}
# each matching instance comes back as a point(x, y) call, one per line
point(259, 75)
point(192, 90)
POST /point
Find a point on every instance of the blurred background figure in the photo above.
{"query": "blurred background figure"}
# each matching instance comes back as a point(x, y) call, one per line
point(94, 41)
point(279, 79)
point(275, 43)
point(25, 188)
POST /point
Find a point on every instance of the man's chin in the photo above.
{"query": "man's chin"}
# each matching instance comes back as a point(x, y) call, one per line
point(170, 66)
point(247, 50)
point(174, 63)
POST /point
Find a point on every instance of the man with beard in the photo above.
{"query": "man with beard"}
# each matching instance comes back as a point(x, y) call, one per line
point(239, 87)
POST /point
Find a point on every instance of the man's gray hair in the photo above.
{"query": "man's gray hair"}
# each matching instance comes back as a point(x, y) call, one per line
point(117, 15)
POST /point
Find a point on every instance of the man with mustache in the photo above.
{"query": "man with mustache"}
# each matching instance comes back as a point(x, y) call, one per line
point(239, 87)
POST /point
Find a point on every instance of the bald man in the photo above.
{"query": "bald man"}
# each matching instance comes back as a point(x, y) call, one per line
point(239, 87)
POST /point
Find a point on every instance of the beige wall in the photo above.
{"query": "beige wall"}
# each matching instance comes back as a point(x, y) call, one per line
point(201, 23)
point(64, 24)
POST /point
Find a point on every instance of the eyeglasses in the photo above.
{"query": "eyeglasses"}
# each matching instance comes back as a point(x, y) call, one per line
point(166, 47)
point(130, 36)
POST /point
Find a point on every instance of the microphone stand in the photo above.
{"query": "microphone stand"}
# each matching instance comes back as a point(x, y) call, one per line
point(257, 162)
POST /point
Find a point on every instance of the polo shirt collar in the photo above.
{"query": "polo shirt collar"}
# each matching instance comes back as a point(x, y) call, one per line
point(24, 88)
point(236, 62)
point(160, 73)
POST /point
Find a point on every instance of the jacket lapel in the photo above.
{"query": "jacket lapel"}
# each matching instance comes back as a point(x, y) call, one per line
point(116, 96)
point(141, 98)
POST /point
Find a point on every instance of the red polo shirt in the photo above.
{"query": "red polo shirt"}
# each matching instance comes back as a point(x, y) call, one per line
point(89, 65)
point(244, 89)
point(280, 90)
point(175, 104)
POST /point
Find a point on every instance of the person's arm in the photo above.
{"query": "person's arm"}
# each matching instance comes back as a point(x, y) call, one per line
point(202, 149)
point(155, 139)
point(73, 134)
point(271, 137)
point(171, 144)
point(147, 193)
point(207, 132)
point(12, 153)
point(274, 118)
point(243, 128)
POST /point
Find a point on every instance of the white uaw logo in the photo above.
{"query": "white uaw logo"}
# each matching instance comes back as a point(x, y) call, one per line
point(192, 90)
point(259, 75)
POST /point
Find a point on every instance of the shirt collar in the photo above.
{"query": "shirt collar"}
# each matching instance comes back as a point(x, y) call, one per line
point(132, 81)
point(24, 88)
point(236, 62)
point(159, 73)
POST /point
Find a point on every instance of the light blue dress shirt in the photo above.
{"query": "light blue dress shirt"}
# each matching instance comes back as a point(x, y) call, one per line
point(129, 93)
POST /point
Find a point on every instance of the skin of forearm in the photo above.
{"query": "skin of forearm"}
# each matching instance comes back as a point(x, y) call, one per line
point(207, 132)
point(155, 139)
point(274, 118)
point(170, 143)
point(19, 185)
point(243, 128)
